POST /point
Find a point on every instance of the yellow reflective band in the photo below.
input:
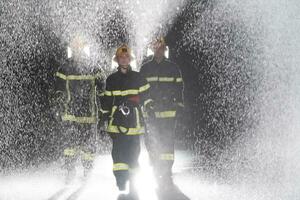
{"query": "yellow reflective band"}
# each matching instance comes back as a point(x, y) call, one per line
point(125, 92)
point(60, 75)
point(166, 79)
point(161, 79)
point(69, 152)
point(120, 166)
point(144, 88)
point(108, 93)
point(178, 80)
point(166, 156)
point(131, 131)
point(121, 93)
point(151, 79)
point(165, 114)
point(103, 111)
point(139, 130)
point(84, 120)
point(81, 77)
point(88, 156)
point(75, 77)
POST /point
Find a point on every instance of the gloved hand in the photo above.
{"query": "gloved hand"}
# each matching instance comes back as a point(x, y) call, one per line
point(103, 120)
point(149, 109)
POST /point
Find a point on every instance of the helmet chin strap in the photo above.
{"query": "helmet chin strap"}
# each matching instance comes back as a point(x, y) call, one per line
point(124, 68)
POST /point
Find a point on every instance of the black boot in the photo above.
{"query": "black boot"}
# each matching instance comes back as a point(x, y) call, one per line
point(121, 185)
point(69, 167)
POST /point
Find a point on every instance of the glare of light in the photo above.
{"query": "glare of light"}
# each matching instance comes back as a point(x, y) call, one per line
point(167, 52)
point(150, 52)
point(86, 50)
point(145, 183)
point(23, 187)
point(69, 52)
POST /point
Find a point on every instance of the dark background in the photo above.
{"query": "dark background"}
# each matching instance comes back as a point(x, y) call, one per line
point(215, 115)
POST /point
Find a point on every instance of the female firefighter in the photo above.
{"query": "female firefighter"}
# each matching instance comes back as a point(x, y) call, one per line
point(126, 92)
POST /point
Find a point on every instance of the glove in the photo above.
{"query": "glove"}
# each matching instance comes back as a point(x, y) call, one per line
point(103, 116)
point(149, 110)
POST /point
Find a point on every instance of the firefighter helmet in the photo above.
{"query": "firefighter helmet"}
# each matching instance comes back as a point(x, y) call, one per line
point(123, 50)
point(161, 40)
point(158, 42)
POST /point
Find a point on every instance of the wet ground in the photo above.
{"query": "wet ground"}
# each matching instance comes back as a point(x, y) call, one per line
point(48, 184)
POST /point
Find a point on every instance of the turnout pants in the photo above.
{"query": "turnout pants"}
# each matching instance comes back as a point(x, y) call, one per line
point(125, 154)
point(160, 141)
point(80, 142)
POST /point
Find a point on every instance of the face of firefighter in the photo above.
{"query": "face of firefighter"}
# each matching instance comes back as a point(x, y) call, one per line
point(123, 60)
point(158, 49)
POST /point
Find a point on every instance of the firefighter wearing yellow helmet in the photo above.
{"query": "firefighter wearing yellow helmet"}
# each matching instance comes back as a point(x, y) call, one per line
point(126, 92)
point(78, 85)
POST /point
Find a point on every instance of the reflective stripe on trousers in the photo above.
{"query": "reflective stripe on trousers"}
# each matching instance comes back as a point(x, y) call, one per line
point(120, 167)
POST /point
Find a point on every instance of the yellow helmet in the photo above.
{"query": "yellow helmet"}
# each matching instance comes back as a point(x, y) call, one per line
point(123, 49)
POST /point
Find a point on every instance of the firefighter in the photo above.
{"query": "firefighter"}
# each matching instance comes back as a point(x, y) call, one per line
point(78, 84)
point(126, 92)
point(166, 92)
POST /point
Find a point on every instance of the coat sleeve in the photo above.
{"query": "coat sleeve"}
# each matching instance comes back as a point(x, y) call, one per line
point(107, 99)
point(60, 84)
point(144, 87)
point(100, 88)
point(179, 88)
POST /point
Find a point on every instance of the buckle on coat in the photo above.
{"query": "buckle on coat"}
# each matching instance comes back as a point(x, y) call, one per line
point(124, 109)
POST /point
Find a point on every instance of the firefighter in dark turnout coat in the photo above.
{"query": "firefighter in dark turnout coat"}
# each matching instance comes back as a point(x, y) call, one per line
point(78, 84)
point(166, 92)
point(125, 93)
